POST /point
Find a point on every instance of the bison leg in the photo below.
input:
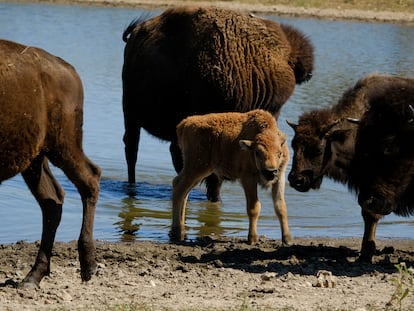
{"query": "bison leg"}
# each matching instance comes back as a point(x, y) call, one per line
point(49, 195)
point(131, 141)
point(182, 185)
point(253, 207)
point(213, 182)
point(85, 175)
point(176, 156)
point(279, 204)
point(368, 247)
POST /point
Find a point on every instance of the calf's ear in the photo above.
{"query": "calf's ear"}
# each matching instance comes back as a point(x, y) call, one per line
point(245, 144)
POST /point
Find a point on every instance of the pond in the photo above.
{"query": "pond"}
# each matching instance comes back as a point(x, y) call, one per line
point(90, 38)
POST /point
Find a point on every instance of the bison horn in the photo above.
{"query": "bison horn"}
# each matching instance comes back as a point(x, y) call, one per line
point(292, 125)
point(354, 120)
point(412, 113)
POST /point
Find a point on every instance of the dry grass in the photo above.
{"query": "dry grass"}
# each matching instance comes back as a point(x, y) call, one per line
point(404, 6)
point(373, 5)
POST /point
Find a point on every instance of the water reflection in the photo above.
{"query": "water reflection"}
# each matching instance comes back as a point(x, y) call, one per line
point(210, 219)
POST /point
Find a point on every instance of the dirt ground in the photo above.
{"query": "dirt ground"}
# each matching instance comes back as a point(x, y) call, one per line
point(215, 273)
point(212, 274)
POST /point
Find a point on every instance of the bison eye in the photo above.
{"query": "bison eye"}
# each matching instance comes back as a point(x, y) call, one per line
point(312, 152)
point(258, 154)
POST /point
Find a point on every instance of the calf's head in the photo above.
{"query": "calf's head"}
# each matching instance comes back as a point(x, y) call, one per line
point(270, 153)
point(321, 146)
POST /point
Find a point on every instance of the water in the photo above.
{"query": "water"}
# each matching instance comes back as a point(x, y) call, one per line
point(90, 39)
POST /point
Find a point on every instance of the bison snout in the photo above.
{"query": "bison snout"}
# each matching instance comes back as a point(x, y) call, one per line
point(376, 205)
point(269, 175)
point(301, 182)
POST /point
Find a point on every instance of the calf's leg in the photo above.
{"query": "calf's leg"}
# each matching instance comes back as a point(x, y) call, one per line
point(279, 204)
point(182, 185)
point(49, 195)
point(253, 207)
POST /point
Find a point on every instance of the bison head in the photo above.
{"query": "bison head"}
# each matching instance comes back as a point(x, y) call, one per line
point(270, 154)
point(321, 146)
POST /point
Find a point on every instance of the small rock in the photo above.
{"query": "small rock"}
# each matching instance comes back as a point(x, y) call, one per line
point(324, 279)
point(268, 275)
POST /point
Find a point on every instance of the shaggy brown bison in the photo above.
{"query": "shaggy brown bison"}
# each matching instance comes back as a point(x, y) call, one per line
point(191, 60)
point(384, 151)
point(325, 142)
point(41, 98)
point(235, 146)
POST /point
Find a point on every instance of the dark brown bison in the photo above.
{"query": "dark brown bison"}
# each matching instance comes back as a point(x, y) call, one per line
point(384, 151)
point(248, 147)
point(325, 140)
point(41, 98)
point(192, 60)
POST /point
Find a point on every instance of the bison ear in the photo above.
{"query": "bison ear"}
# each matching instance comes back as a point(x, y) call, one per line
point(245, 144)
point(292, 125)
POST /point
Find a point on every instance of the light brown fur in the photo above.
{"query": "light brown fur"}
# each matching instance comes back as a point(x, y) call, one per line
point(247, 147)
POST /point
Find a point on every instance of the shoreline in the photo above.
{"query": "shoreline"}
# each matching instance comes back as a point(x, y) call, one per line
point(281, 10)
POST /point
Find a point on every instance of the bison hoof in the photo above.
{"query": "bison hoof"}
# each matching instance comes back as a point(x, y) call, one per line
point(87, 273)
point(176, 235)
point(28, 282)
point(213, 197)
point(286, 240)
point(367, 252)
point(365, 258)
point(252, 239)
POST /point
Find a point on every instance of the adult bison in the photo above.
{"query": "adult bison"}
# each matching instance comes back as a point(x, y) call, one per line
point(325, 142)
point(384, 151)
point(41, 99)
point(194, 60)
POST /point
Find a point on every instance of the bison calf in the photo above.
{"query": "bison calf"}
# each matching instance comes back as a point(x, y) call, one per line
point(236, 146)
point(41, 99)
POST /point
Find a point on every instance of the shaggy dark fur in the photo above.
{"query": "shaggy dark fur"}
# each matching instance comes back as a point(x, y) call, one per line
point(327, 143)
point(384, 151)
point(192, 60)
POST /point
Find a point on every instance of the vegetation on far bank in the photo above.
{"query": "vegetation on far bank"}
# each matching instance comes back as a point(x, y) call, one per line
point(405, 6)
point(372, 5)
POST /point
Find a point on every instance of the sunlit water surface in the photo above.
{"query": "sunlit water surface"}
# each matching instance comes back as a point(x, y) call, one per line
point(90, 39)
